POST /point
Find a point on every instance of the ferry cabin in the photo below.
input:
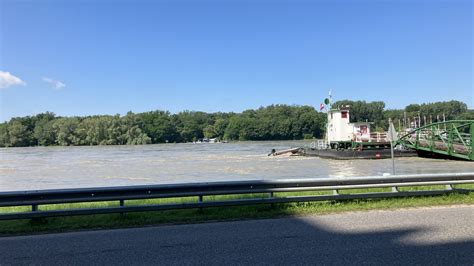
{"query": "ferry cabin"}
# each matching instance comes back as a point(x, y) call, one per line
point(341, 133)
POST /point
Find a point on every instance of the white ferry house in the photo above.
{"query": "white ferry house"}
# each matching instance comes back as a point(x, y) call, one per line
point(342, 134)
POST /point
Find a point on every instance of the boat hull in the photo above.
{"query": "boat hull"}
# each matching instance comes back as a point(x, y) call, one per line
point(356, 154)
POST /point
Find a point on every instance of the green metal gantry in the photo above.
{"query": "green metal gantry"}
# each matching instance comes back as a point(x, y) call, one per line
point(453, 138)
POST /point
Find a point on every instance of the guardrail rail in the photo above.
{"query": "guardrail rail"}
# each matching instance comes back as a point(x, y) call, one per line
point(35, 198)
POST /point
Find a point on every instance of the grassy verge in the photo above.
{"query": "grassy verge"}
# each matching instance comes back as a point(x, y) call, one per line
point(61, 224)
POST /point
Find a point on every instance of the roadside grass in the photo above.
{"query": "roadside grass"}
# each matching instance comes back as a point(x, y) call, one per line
point(109, 221)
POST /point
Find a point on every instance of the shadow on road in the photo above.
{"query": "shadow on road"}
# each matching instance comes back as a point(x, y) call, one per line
point(345, 239)
point(389, 246)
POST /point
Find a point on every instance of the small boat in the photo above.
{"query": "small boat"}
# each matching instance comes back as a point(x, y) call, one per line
point(291, 151)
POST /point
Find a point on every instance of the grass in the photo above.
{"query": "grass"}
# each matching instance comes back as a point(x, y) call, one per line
point(102, 221)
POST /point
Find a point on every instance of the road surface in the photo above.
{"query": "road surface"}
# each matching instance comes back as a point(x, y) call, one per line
point(428, 236)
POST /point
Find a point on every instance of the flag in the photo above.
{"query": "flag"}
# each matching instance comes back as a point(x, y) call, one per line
point(321, 107)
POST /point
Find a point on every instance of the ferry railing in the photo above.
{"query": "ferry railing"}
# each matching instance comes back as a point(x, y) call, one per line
point(378, 137)
point(372, 137)
point(319, 144)
point(199, 191)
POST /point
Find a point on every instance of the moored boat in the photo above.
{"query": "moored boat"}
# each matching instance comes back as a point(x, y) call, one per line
point(347, 140)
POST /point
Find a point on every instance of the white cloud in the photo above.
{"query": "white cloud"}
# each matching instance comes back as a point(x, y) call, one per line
point(57, 85)
point(8, 80)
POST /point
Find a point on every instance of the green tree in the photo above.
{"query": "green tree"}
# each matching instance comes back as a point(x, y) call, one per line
point(65, 130)
point(159, 126)
point(4, 139)
point(19, 134)
point(44, 133)
point(469, 115)
point(43, 130)
point(190, 125)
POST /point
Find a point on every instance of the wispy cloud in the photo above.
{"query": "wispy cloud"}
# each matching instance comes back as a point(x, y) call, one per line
point(56, 84)
point(8, 80)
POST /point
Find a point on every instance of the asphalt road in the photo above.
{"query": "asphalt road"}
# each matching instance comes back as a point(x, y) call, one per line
point(428, 236)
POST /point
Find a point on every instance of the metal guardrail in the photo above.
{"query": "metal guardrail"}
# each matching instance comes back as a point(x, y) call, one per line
point(200, 190)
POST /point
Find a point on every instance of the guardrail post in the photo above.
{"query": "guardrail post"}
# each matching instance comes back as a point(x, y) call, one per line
point(335, 192)
point(395, 189)
point(34, 208)
point(449, 187)
point(200, 200)
point(122, 203)
point(270, 196)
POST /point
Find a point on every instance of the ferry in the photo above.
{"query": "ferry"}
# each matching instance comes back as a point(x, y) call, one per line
point(345, 140)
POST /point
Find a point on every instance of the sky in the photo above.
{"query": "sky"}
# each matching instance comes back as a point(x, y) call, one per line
point(89, 57)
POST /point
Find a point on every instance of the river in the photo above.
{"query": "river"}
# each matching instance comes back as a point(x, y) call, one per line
point(71, 167)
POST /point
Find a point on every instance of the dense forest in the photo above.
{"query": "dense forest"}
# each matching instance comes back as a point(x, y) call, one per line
point(427, 112)
point(274, 122)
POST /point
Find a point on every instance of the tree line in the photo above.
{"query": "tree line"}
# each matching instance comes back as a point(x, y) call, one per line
point(274, 122)
point(419, 114)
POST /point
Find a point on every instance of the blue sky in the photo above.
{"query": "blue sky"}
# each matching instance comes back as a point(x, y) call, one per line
point(107, 57)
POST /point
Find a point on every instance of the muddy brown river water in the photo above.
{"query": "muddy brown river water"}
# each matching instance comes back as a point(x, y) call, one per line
point(71, 167)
